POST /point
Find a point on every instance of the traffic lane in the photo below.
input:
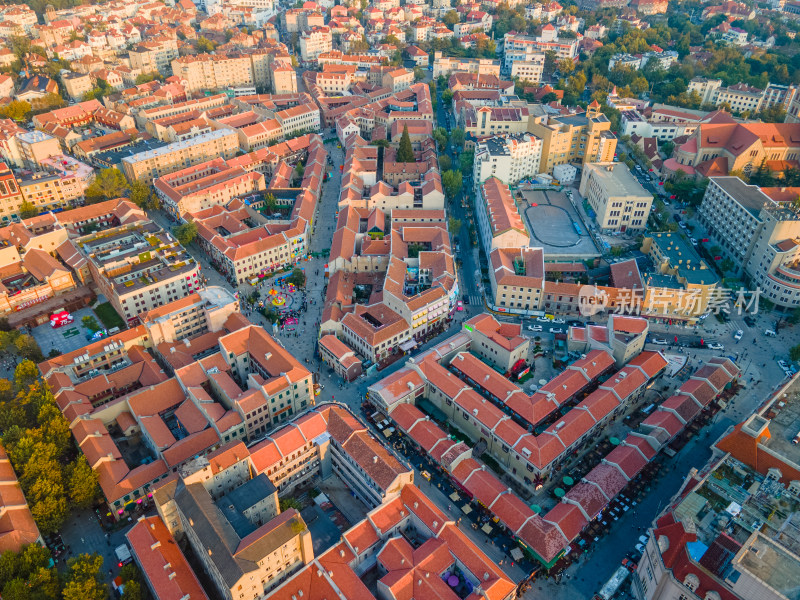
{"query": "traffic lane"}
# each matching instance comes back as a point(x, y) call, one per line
point(608, 553)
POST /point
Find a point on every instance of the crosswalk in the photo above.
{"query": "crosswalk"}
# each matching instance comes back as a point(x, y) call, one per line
point(475, 300)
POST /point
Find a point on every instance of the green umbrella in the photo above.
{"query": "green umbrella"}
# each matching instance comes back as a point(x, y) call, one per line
point(536, 508)
point(568, 480)
point(559, 492)
point(614, 441)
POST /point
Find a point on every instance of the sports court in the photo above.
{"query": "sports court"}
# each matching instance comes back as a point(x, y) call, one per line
point(556, 227)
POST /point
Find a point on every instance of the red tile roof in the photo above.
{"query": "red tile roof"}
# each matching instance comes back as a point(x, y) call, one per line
point(162, 562)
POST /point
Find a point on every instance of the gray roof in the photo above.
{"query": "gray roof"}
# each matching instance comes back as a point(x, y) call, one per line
point(234, 503)
point(750, 197)
point(233, 555)
point(213, 530)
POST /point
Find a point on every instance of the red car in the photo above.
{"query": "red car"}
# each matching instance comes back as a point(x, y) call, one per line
point(629, 564)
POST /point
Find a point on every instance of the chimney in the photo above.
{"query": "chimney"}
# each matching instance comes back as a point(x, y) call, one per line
point(155, 545)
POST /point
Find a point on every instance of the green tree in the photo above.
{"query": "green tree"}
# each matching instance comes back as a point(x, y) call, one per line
point(17, 110)
point(444, 162)
point(82, 483)
point(290, 502)
point(83, 580)
point(441, 137)
point(419, 73)
point(405, 154)
point(466, 160)
point(203, 44)
point(143, 78)
point(107, 185)
point(91, 323)
point(794, 353)
point(133, 590)
point(452, 182)
point(454, 225)
point(48, 505)
point(447, 97)
point(185, 233)
point(457, 137)
point(794, 316)
point(25, 374)
point(142, 195)
point(271, 202)
point(27, 210)
point(565, 66)
point(297, 278)
point(451, 18)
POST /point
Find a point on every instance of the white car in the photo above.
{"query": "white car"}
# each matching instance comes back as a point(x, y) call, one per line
point(715, 346)
point(534, 327)
point(783, 365)
point(543, 320)
point(559, 321)
point(660, 342)
point(694, 241)
point(738, 335)
point(556, 330)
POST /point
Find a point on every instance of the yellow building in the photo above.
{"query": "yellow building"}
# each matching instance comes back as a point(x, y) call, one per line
point(150, 164)
point(684, 286)
point(575, 138)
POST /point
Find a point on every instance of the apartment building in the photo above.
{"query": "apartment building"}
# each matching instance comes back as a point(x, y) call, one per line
point(49, 190)
point(508, 158)
point(243, 548)
point(339, 357)
point(517, 279)
point(10, 194)
point(139, 267)
point(283, 77)
point(667, 122)
point(204, 310)
point(529, 69)
point(154, 55)
point(519, 47)
point(499, 223)
point(682, 286)
point(165, 569)
point(148, 165)
point(619, 201)
point(582, 138)
point(271, 384)
point(314, 42)
point(744, 98)
point(445, 65)
point(756, 228)
point(487, 121)
point(203, 72)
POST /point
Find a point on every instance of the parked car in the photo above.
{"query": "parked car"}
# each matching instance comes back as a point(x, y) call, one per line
point(459, 305)
point(715, 346)
point(465, 299)
point(640, 548)
point(543, 320)
point(629, 564)
point(750, 321)
point(738, 335)
point(770, 332)
point(556, 330)
point(694, 241)
point(660, 342)
point(534, 327)
point(559, 321)
point(783, 365)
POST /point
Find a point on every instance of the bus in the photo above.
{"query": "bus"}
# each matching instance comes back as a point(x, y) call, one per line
point(612, 585)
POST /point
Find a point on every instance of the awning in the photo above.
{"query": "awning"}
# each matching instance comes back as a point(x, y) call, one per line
point(487, 529)
point(455, 497)
point(408, 345)
point(516, 553)
point(466, 509)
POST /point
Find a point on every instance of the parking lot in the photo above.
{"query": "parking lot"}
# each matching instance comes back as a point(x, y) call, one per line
point(67, 338)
